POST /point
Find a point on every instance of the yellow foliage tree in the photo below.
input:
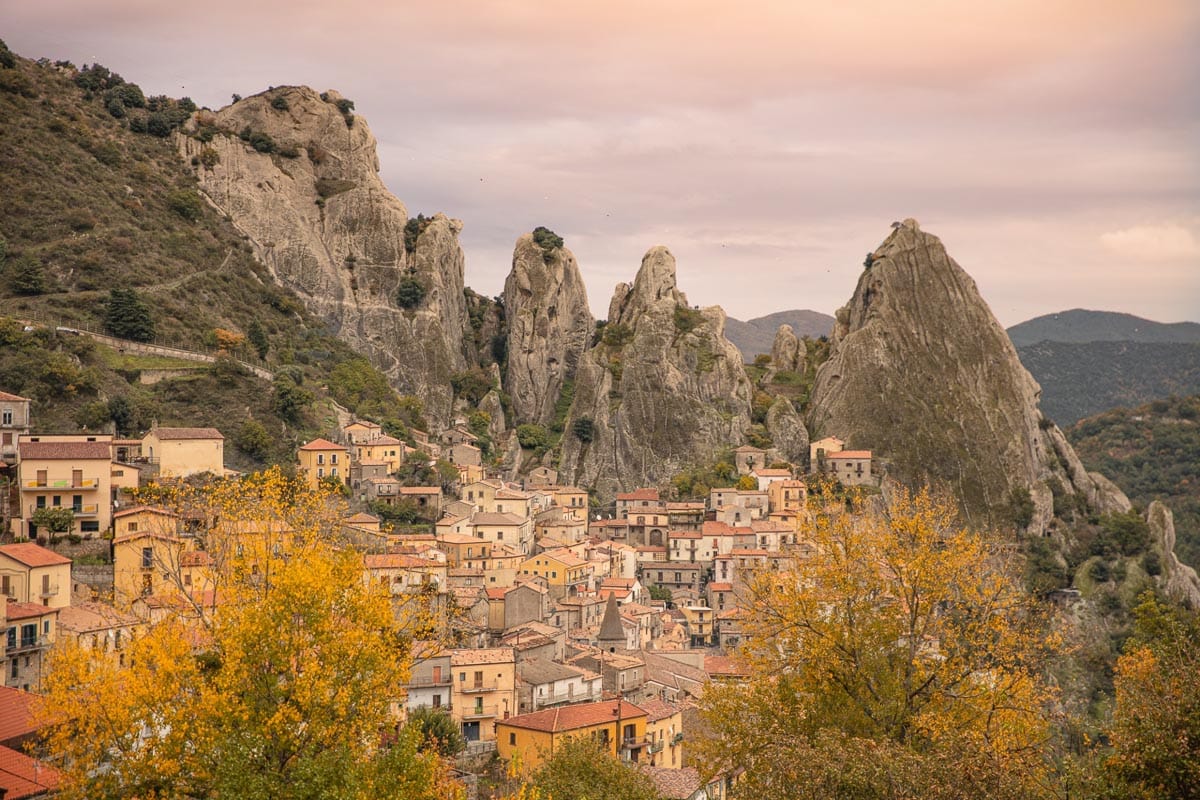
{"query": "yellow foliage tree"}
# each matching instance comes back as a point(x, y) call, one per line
point(281, 688)
point(900, 658)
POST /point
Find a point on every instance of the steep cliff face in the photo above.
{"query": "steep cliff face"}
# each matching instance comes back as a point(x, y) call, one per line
point(299, 176)
point(549, 327)
point(921, 373)
point(662, 387)
point(787, 352)
point(1178, 580)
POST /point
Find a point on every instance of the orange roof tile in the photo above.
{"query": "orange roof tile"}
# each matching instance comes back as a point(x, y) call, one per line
point(574, 717)
point(17, 717)
point(639, 494)
point(33, 555)
point(28, 610)
point(64, 451)
point(22, 776)
point(850, 454)
point(13, 398)
point(187, 433)
point(322, 444)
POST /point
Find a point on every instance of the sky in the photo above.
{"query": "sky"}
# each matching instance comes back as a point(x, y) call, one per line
point(1051, 144)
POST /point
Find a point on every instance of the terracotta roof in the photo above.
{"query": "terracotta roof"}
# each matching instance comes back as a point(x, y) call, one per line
point(420, 490)
point(322, 444)
point(723, 665)
point(720, 587)
point(658, 709)
point(773, 473)
point(187, 433)
point(563, 555)
point(28, 610)
point(22, 776)
point(360, 518)
point(13, 398)
point(639, 494)
point(33, 555)
point(850, 454)
point(540, 671)
point(93, 616)
point(125, 512)
point(674, 784)
point(17, 717)
point(574, 717)
point(397, 561)
point(62, 451)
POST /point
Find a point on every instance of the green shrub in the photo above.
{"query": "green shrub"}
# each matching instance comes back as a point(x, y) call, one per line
point(187, 204)
point(687, 319)
point(328, 187)
point(532, 436)
point(159, 124)
point(548, 240)
point(617, 335)
point(413, 230)
point(209, 157)
point(584, 429)
point(471, 385)
point(56, 519)
point(279, 103)
point(262, 142)
point(410, 293)
point(252, 439)
point(27, 276)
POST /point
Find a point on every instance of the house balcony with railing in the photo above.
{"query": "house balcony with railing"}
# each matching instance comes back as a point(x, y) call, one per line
point(26, 644)
point(428, 681)
point(477, 711)
point(637, 742)
point(80, 510)
point(562, 698)
point(479, 687)
point(45, 484)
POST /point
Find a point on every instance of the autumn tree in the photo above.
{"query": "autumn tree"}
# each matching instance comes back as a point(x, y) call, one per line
point(282, 688)
point(899, 659)
point(1155, 732)
point(580, 769)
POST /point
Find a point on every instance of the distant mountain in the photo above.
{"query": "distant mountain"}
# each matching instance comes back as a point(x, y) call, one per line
point(1082, 379)
point(1080, 325)
point(1090, 361)
point(755, 336)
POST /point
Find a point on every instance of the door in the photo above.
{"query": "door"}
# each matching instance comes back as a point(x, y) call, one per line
point(471, 731)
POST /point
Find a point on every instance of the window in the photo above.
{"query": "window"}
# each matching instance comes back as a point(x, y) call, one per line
point(7, 418)
point(147, 557)
point(45, 627)
point(437, 701)
point(12, 637)
point(6, 585)
point(320, 472)
point(15, 667)
point(90, 525)
point(133, 527)
point(478, 705)
point(512, 738)
point(320, 458)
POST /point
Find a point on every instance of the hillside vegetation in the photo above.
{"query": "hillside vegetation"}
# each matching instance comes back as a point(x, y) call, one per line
point(101, 227)
point(1153, 453)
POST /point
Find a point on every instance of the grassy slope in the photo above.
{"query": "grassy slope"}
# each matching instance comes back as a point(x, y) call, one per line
point(91, 202)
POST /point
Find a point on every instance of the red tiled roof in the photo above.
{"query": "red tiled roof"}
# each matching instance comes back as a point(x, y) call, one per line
point(574, 717)
point(720, 587)
point(639, 494)
point(674, 784)
point(483, 655)
point(850, 454)
point(187, 433)
point(22, 776)
point(722, 665)
point(33, 555)
point(17, 716)
point(125, 512)
point(63, 451)
point(322, 444)
point(420, 490)
point(13, 398)
point(28, 610)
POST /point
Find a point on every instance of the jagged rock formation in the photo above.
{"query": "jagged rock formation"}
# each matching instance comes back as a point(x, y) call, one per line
point(1178, 580)
point(921, 373)
point(661, 388)
point(299, 176)
point(788, 352)
point(787, 431)
point(549, 327)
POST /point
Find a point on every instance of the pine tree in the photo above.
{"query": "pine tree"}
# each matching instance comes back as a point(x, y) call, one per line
point(128, 316)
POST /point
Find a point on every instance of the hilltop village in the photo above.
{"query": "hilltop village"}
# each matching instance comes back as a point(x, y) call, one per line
point(561, 617)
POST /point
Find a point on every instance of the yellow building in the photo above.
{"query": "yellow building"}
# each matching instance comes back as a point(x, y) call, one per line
point(27, 631)
point(484, 690)
point(664, 730)
point(100, 628)
point(322, 458)
point(787, 495)
point(32, 574)
point(565, 572)
point(180, 452)
point(619, 727)
point(146, 563)
point(386, 449)
point(72, 472)
point(14, 421)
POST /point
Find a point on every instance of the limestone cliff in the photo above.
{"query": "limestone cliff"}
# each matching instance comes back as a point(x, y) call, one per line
point(662, 388)
point(549, 327)
point(298, 174)
point(921, 373)
point(1178, 580)
point(788, 352)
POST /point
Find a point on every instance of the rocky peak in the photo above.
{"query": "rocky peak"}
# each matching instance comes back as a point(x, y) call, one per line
point(297, 172)
point(662, 387)
point(921, 372)
point(788, 352)
point(549, 327)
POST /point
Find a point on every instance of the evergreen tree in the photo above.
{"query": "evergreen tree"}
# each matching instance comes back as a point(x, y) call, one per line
point(27, 276)
point(258, 338)
point(128, 316)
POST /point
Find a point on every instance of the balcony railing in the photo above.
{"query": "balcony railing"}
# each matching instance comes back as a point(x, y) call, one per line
point(81, 510)
point(475, 687)
point(419, 681)
point(480, 712)
point(558, 698)
point(62, 483)
point(49, 590)
point(637, 742)
point(26, 644)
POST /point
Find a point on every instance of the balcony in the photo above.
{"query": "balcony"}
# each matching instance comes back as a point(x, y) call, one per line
point(48, 590)
point(424, 681)
point(61, 483)
point(656, 746)
point(638, 742)
point(81, 510)
point(558, 698)
point(479, 712)
point(27, 644)
point(478, 687)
